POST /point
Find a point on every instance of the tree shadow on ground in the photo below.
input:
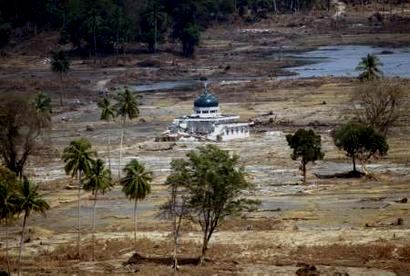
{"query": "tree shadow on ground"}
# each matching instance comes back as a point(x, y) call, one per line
point(137, 258)
point(350, 174)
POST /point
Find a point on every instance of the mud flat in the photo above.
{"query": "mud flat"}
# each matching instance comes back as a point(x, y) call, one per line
point(295, 222)
point(339, 225)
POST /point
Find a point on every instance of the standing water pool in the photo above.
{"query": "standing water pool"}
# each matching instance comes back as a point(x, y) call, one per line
point(341, 61)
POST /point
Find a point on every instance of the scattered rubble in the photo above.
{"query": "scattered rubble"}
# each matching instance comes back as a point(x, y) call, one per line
point(158, 146)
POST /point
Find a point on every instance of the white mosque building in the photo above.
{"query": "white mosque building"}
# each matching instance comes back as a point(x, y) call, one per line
point(208, 122)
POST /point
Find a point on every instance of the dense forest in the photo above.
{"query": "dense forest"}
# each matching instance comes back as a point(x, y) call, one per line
point(105, 26)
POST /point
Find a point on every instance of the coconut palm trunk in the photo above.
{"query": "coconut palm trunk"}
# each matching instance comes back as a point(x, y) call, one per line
point(78, 213)
point(135, 223)
point(7, 247)
point(94, 214)
point(22, 239)
point(155, 26)
point(121, 144)
point(109, 150)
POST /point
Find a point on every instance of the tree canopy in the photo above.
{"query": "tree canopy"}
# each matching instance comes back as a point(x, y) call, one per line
point(380, 103)
point(59, 63)
point(360, 142)
point(20, 127)
point(306, 144)
point(108, 25)
point(370, 67)
point(136, 185)
point(213, 183)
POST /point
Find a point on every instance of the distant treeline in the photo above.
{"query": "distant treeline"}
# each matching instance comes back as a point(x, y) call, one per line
point(106, 25)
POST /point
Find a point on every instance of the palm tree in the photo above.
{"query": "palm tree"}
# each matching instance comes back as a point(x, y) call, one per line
point(93, 27)
point(127, 106)
point(8, 208)
point(136, 185)
point(77, 158)
point(61, 65)
point(107, 113)
point(98, 179)
point(369, 66)
point(42, 105)
point(29, 201)
point(153, 25)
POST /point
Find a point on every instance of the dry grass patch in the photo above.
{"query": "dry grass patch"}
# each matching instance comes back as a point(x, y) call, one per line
point(378, 255)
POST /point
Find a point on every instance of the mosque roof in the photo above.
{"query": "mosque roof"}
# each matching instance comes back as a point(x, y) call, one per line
point(206, 100)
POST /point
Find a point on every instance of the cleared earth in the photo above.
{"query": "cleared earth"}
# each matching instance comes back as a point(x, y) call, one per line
point(338, 225)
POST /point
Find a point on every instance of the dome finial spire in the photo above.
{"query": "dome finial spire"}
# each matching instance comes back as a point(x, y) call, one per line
point(205, 87)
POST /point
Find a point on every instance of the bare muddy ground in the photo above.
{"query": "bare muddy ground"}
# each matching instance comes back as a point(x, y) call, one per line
point(326, 213)
point(338, 225)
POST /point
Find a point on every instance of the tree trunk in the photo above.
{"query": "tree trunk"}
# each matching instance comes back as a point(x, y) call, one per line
point(304, 172)
point(7, 247)
point(135, 223)
point(78, 214)
point(62, 89)
point(204, 249)
point(275, 10)
point(122, 140)
point(155, 26)
point(175, 230)
point(94, 211)
point(175, 261)
point(22, 241)
point(95, 45)
point(109, 151)
point(354, 163)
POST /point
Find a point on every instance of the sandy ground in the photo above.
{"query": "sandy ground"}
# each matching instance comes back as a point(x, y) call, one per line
point(339, 225)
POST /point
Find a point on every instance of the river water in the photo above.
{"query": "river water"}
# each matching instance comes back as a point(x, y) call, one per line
point(341, 61)
point(337, 61)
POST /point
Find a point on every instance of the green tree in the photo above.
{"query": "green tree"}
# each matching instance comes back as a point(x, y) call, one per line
point(189, 37)
point(360, 142)
point(121, 25)
point(78, 158)
point(29, 201)
point(369, 66)
point(126, 107)
point(60, 65)
point(5, 31)
point(93, 26)
point(177, 206)
point(8, 209)
point(306, 144)
point(214, 184)
point(102, 25)
point(42, 105)
point(153, 24)
point(98, 180)
point(107, 114)
point(136, 185)
point(185, 28)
